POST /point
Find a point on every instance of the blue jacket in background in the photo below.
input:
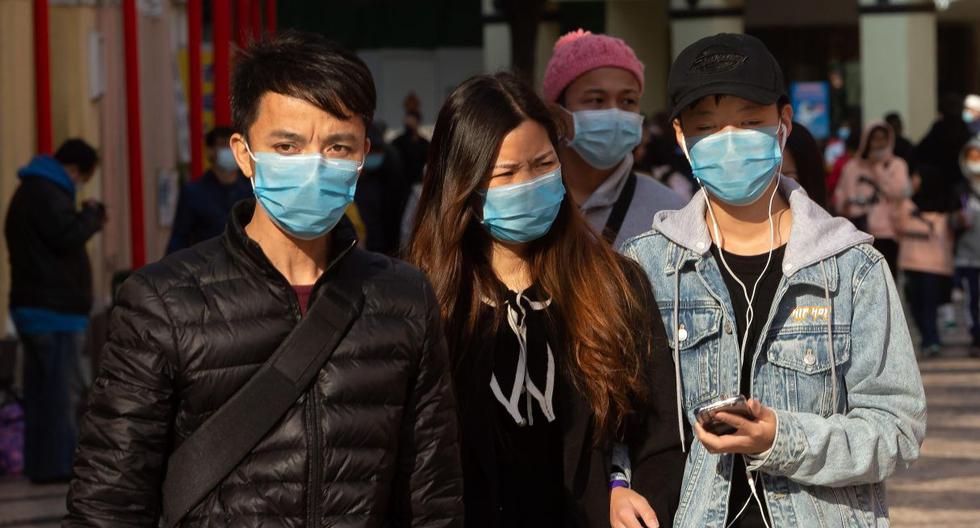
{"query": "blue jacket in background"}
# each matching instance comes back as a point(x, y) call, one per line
point(203, 209)
point(49, 169)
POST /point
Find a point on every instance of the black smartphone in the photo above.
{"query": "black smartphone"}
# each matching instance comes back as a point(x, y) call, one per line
point(706, 414)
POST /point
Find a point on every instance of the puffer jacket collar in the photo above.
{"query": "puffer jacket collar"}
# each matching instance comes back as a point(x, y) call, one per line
point(249, 253)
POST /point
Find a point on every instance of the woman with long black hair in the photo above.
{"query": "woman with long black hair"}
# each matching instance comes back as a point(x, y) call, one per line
point(557, 342)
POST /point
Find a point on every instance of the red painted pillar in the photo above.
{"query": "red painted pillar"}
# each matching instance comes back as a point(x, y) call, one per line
point(256, 19)
point(42, 77)
point(133, 132)
point(222, 61)
point(195, 98)
point(243, 22)
point(271, 17)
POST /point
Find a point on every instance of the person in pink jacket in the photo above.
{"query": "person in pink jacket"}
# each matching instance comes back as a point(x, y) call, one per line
point(925, 226)
point(872, 186)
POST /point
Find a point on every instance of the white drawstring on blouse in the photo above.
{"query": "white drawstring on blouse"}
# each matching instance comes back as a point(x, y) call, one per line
point(517, 320)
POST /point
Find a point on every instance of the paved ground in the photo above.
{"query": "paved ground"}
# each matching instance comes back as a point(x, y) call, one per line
point(943, 487)
point(941, 490)
point(24, 505)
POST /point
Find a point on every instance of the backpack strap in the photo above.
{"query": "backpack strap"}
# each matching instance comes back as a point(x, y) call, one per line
point(216, 448)
point(619, 209)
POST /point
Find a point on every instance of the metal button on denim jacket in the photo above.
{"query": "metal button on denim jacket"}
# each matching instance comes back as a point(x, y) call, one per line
point(836, 328)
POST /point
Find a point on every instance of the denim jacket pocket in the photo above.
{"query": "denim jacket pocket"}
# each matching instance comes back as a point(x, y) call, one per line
point(697, 332)
point(798, 373)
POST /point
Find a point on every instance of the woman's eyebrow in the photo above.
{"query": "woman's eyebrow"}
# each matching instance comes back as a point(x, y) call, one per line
point(508, 165)
point(542, 157)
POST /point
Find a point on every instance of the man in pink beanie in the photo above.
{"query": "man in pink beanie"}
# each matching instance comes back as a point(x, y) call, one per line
point(598, 81)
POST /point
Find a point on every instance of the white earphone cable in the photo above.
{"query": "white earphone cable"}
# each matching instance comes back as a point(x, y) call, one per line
point(750, 312)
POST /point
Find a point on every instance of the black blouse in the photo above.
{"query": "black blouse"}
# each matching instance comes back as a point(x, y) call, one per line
point(527, 436)
point(523, 468)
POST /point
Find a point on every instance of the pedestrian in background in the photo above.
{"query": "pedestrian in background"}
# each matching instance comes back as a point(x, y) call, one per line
point(382, 192)
point(903, 147)
point(971, 113)
point(803, 162)
point(51, 299)
point(413, 147)
point(204, 205)
point(967, 257)
point(872, 187)
point(939, 151)
point(925, 227)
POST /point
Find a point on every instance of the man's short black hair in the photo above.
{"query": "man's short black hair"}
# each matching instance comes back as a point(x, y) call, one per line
point(305, 66)
point(216, 133)
point(77, 152)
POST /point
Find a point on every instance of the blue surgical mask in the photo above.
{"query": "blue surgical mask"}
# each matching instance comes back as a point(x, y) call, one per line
point(305, 195)
point(224, 159)
point(736, 166)
point(968, 116)
point(604, 137)
point(374, 161)
point(523, 212)
point(843, 133)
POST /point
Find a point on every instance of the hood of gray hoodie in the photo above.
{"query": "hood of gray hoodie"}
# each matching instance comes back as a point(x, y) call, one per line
point(814, 236)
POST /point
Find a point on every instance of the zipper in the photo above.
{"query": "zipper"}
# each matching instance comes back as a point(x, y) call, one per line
point(312, 412)
point(313, 461)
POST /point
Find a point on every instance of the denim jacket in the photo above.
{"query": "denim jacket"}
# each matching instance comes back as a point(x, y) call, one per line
point(835, 363)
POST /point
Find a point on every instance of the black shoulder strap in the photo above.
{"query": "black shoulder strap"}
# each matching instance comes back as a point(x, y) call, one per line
point(205, 458)
point(619, 209)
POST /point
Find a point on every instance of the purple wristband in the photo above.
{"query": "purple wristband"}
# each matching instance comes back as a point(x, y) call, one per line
point(618, 483)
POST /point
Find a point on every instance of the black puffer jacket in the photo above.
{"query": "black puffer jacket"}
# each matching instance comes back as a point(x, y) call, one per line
point(46, 237)
point(378, 426)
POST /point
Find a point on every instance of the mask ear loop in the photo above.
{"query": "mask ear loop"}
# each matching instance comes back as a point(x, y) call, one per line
point(750, 312)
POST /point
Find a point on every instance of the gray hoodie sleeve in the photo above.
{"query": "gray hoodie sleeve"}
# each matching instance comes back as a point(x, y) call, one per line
point(885, 423)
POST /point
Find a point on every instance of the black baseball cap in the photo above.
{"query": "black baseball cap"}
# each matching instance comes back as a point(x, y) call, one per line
point(725, 64)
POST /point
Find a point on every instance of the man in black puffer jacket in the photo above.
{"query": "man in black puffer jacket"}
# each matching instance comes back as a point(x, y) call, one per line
point(373, 440)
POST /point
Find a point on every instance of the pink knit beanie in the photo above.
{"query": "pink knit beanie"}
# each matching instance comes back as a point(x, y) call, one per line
point(580, 52)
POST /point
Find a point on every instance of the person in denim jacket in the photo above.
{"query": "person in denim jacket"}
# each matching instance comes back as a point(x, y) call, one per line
point(817, 340)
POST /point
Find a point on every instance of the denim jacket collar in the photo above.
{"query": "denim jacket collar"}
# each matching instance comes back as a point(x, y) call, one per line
point(815, 236)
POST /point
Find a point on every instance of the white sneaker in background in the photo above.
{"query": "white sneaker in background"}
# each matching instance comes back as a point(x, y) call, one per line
point(958, 295)
point(947, 316)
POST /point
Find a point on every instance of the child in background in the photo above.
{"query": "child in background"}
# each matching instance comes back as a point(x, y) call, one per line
point(968, 245)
